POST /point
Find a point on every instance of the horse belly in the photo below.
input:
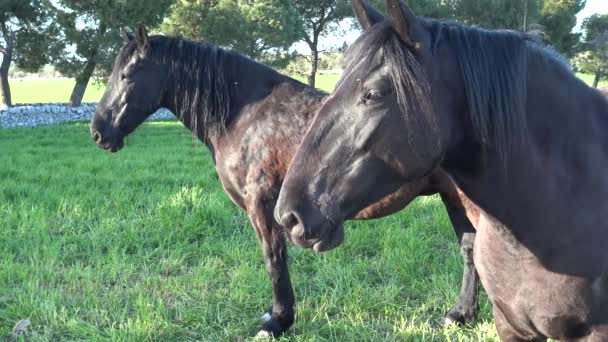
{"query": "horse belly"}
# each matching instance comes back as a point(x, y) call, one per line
point(534, 300)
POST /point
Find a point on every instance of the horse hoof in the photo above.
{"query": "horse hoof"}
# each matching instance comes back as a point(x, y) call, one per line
point(456, 317)
point(271, 327)
point(263, 334)
point(448, 322)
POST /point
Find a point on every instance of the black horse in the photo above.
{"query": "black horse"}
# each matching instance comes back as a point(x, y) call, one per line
point(252, 119)
point(521, 136)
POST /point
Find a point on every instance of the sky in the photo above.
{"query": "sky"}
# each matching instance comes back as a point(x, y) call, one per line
point(592, 7)
point(349, 35)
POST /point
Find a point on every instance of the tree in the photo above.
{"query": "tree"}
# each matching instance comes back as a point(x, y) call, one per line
point(319, 18)
point(594, 59)
point(521, 15)
point(24, 33)
point(260, 29)
point(93, 28)
point(558, 20)
point(426, 8)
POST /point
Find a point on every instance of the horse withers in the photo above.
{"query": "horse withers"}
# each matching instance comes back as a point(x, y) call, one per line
point(522, 137)
point(252, 119)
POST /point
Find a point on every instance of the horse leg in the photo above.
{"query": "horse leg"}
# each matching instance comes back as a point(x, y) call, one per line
point(467, 307)
point(281, 315)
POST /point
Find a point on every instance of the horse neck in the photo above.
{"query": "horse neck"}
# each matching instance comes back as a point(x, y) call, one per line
point(567, 110)
point(252, 83)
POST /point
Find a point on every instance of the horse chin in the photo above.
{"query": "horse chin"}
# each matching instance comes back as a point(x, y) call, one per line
point(117, 146)
point(330, 242)
point(113, 146)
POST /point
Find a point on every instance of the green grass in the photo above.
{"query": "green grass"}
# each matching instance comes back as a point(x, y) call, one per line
point(589, 80)
point(59, 90)
point(145, 245)
point(50, 90)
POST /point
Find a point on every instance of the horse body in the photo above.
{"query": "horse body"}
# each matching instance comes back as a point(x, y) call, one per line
point(252, 119)
point(547, 229)
point(524, 140)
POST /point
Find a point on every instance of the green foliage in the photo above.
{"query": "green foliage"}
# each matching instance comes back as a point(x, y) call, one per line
point(594, 59)
point(25, 33)
point(558, 20)
point(431, 9)
point(521, 15)
point(93, 28)
point(495, 14)
point(260, 29)
point(594, 26)
point(31, 49)
point(319, 18)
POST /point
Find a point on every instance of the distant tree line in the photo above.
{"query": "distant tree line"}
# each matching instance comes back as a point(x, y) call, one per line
point(80, 38)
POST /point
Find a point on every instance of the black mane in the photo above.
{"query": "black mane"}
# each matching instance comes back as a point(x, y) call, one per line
point(493, 65)
point(205, 79)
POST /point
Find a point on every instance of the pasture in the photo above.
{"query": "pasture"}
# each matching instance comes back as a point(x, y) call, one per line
point(145, 245)
point(58, 90)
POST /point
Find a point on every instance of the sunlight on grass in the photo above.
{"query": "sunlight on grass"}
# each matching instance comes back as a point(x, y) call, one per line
point(145, 245)
point(50, 90)
point(44, 91)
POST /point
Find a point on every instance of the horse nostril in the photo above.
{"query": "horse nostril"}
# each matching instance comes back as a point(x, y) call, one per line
point(289, 220)
point(96, 136)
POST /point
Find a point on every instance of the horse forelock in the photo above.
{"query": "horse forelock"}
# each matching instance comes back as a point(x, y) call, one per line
point(493, 66)
point(380, 44)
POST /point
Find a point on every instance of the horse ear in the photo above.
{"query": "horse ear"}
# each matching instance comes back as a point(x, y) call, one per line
point(127, 36)
point(143, 42)
point(366, 14)
point(403, 19)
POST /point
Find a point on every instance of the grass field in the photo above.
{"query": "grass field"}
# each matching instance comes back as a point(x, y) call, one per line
point(144, 245)
point(33, 91)
point(50, 90)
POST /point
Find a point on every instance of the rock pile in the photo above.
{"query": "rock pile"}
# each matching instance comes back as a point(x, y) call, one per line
point(37, 114)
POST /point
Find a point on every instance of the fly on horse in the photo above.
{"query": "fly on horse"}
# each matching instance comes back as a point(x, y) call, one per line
point(520, 135)
point(252, 119)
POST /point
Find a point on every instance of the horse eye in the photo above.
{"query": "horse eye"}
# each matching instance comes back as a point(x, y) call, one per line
point(123, 76)
point(371, 95)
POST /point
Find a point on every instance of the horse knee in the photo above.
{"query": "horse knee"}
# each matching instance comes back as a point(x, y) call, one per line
point(466, 247)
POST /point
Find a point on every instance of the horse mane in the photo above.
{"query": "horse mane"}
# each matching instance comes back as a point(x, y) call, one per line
point(408, 78)
point(204, 77)
point(493, 65)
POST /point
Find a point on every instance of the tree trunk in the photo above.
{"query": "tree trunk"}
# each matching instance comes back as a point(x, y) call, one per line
point(596, 80)
point(525, 26)
point(7, 58)
point(82, 80)
point(314, 66)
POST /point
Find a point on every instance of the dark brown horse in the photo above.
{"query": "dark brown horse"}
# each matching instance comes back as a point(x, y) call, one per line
point(252, 119)
point(520, 135)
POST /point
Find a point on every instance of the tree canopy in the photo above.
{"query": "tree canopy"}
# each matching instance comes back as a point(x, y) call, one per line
point(319, 18)
point(259, 29)
point(558, 21)
point(25, 33)
point(594, 58)
point(90, 35)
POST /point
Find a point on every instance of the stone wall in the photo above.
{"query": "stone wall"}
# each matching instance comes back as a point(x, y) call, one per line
point(38, 114)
